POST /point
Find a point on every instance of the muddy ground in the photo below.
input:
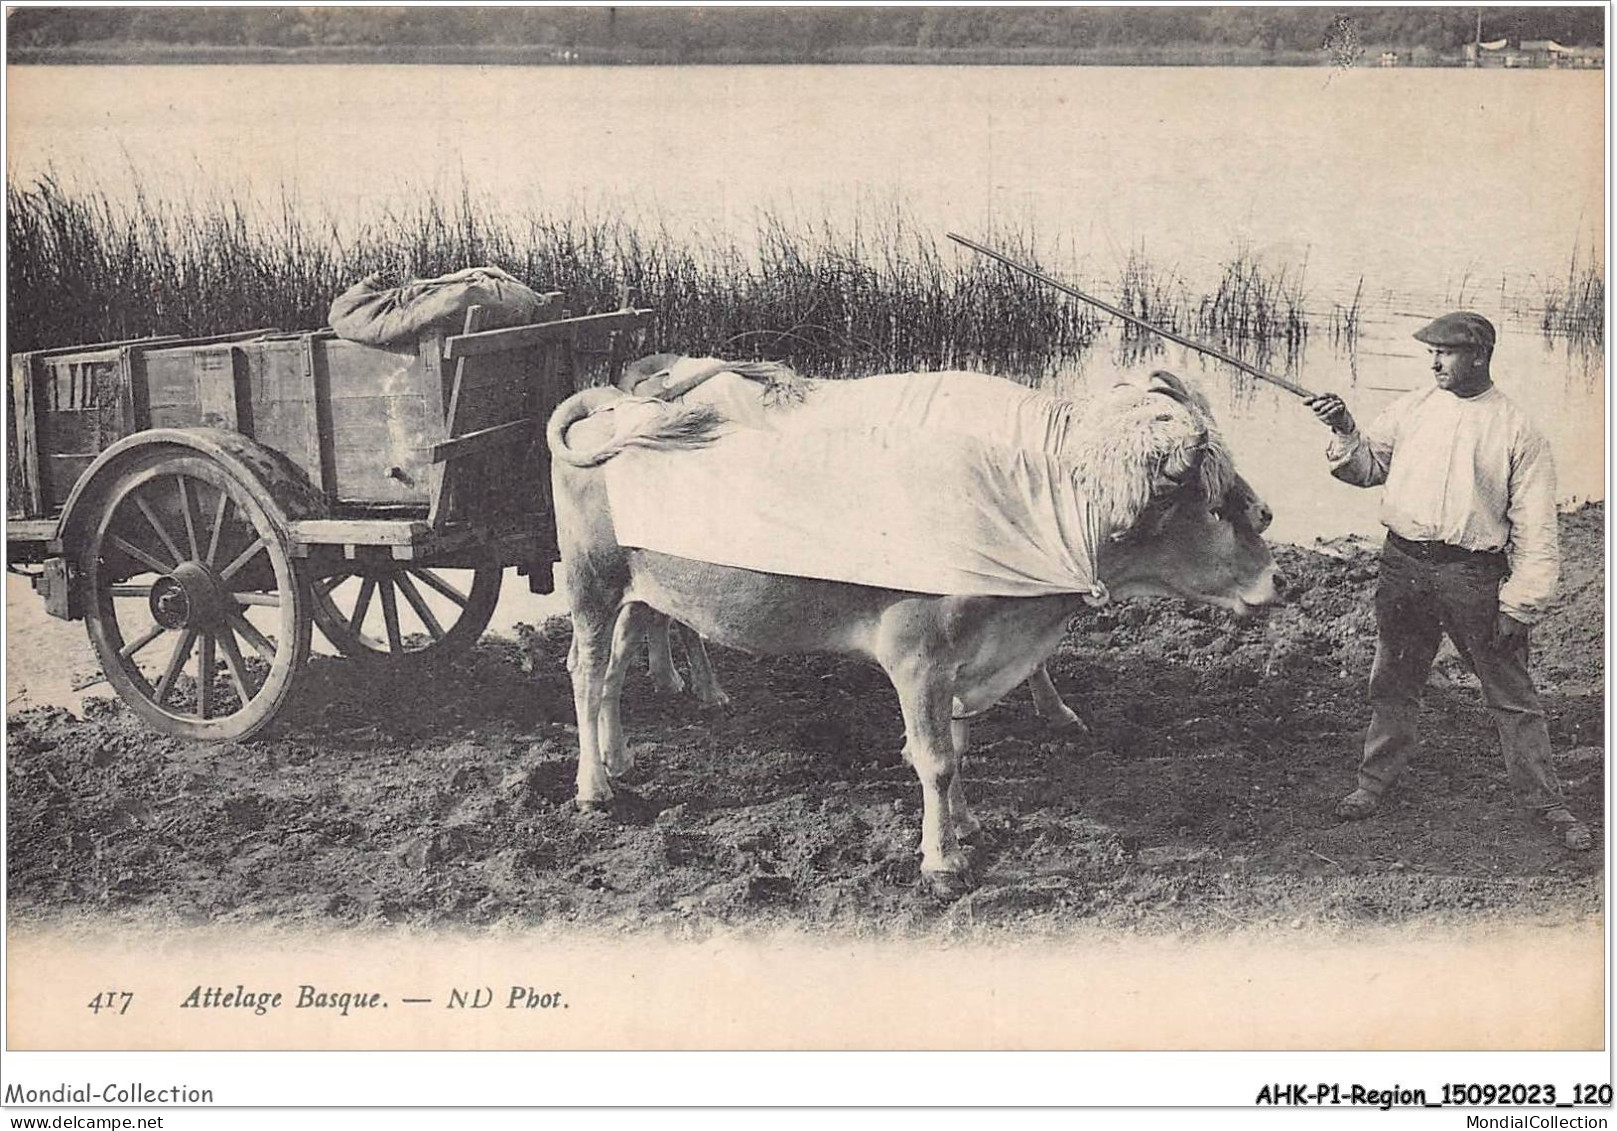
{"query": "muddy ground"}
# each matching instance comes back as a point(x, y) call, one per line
point(1200, 800)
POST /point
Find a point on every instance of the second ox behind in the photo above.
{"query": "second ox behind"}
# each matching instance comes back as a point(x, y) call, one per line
point(945, 526)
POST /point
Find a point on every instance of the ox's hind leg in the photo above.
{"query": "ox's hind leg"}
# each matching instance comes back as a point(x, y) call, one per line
point(1047, 703)
point(703, 681)
point(615, 754)
point(592, 652)
point(660, 655)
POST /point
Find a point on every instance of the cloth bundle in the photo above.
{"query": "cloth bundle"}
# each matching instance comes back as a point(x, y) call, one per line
point(382, 316)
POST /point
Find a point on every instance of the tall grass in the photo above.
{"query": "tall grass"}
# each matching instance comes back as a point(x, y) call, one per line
point(874, 293)
point(1576, 309)
point(1252, 305)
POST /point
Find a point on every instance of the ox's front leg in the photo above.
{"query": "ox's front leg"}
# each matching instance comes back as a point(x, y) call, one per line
point(703, 681)
point(925, 697)
point(660, 655)
point(1047, 703)
point(591, 653)
point(966, 825)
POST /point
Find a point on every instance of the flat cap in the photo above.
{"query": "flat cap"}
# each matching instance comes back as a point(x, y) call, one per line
point(1461, 328)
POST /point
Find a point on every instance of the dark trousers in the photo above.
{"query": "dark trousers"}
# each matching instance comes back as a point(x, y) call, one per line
point(1421, 597)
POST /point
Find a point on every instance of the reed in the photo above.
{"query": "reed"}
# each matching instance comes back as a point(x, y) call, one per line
point(1254, 303)
point(1576, 309)
point(1345, 319)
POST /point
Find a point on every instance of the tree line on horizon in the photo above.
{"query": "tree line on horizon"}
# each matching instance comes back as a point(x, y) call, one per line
point(806, 32)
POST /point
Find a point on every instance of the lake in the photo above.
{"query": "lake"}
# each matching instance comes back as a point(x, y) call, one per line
point(1434, 188)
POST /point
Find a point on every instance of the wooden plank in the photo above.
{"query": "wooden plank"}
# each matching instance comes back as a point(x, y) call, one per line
point(358, 531)
point(474, 343)
point(212, 339)
point(316, 436)
point(108, 347)
point(140, 400)
point(30, 529)
point(25, 424)
point(216, 387)
point(437, 392)
point(483, 439)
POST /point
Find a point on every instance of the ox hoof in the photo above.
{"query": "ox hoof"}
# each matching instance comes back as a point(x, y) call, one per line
point(587, 807)
point(967, 828)
point(619, 766)
point(1068, 725)
point(669, 683)
point(714, 699)
point(946, 885)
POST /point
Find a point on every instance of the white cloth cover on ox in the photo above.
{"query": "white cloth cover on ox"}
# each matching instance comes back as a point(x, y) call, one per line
point(937, 483)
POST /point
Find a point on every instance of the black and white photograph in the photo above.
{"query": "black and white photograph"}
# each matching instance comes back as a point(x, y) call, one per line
point(808, 529)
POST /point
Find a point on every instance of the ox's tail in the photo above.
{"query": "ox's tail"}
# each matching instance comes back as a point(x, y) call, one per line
point(638, 422)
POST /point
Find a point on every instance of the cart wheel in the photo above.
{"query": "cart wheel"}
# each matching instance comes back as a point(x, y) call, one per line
point(443, 611)
point(196, 611)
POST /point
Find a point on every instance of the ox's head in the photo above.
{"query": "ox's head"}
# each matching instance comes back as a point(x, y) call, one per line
point(1183, 522)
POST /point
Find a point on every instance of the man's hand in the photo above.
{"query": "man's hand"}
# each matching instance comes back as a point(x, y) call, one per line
point(1331, 411)
point(1508, 633)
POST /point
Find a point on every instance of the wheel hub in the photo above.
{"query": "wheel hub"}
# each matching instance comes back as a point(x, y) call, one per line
point(190, 597)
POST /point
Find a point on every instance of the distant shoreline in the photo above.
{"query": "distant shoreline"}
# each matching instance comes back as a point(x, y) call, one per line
point(1176, 55)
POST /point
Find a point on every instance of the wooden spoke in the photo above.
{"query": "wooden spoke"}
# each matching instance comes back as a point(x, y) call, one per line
point(239, 674)
point(258, 546)
point(218, 528)
point(162, 532)
point(176, 662)
point(244, 628)
point(141, 641)
point(326, 584)
point(190, 522)
point(362, 605)
point(131, 590)
point(205, 664)
point(435, 582)
point(263, 600)
point(390, 615)
point(419, 604)
point(140, 555)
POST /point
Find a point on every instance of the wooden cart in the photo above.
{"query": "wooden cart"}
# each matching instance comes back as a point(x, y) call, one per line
point(203, 503)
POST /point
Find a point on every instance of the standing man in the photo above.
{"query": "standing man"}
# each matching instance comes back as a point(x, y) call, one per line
point(1471, 551)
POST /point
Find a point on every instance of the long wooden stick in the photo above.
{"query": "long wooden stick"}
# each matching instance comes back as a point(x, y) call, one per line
point(1191, 343)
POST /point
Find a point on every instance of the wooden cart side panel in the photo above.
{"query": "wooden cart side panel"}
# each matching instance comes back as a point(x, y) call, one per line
point(383, 418)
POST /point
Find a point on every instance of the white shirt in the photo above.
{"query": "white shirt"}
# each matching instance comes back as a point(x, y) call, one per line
point(1469, 471)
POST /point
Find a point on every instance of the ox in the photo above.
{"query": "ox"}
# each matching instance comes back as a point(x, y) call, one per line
point(752, 402)
point(1175, 520)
